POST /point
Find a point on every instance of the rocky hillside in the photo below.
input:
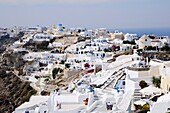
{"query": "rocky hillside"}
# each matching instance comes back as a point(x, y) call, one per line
point(7, 40)
point(13, 91)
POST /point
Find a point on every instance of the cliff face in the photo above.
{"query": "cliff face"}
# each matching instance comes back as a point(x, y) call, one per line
point(12, 59)
point(13, 91)
point(7, 40)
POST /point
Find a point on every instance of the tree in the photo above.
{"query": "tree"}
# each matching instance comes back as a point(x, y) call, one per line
point(52, 40)
point(156, 81)
point(44, 93)
point(107, 50)
point(129, 42)
point(54, 72)
point(79, 30)
point(165, 48)
point(67, 65)
point(150, 48)
point(143, 84)
point(43, 45)
point(60, 70)
point(62, 62)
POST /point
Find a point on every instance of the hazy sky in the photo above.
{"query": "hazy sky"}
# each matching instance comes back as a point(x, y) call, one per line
point(86, 13)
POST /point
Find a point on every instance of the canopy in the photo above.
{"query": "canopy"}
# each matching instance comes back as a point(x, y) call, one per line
point(151, 90)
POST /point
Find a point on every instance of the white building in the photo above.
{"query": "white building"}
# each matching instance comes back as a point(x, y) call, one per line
point(55, 45)
point(157, 43)
point(40, 37)
point(130, 37)
point(144, 41)
point(26, 38)
point(125, 47)
point(154, 41)
point(87, 33)
point(117, 35)
point(101, 32)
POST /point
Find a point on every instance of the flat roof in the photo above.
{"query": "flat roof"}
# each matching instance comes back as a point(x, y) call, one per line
point(34, 100)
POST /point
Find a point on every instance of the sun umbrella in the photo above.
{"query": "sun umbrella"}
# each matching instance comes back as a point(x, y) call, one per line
point(140, 102)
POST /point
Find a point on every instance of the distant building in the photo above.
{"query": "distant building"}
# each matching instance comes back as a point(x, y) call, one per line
point(151, 40)
point(144, 41)
point(101, 32)
point(130, 37)
point(40, 37)
point(125, 47)
point(157, 43)
point(117, 35)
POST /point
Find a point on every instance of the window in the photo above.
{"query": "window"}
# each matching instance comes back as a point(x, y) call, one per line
point(123, 83)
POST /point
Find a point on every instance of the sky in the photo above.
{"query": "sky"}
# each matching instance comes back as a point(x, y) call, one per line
point(86, 13)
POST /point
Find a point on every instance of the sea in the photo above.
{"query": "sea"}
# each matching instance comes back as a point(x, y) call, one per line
point(142, 31)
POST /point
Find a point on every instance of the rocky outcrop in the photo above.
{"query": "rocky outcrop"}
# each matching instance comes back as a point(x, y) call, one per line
point(12, 59)
point(13, 91)
point(7, 40)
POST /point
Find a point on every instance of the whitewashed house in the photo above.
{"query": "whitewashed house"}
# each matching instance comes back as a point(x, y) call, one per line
point(164, 39)
point(157, 43)
point(40, 37)
point(34, 29)
point(101, 42)
point(51, 57)
point(32, 56)
point(55, 45)
point(117, 41)
point(26, 38)
point(125, 47)
point(87, 33)
point(130, 37)
point(154, 41)
point(144, 41)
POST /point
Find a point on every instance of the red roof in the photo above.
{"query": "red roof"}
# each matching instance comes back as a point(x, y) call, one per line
point(155, 40)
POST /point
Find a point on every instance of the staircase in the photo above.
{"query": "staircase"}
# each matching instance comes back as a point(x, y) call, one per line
point(137, 95)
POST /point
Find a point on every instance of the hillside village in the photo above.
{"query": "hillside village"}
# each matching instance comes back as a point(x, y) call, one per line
point(79, 70)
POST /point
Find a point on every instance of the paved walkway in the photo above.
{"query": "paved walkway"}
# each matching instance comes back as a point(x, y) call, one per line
point(111, 71)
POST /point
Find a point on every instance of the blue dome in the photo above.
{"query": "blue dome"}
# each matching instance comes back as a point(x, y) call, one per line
point(60, 25)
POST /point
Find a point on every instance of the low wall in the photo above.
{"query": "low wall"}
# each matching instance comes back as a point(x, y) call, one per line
point(139, 68)
point(69, 73)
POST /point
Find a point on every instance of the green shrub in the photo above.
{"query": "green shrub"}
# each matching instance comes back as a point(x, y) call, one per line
point(129, 42)
point(156, 81)
point(43, 45)
point(143, 84)
point(67, 65)
point(62, 62)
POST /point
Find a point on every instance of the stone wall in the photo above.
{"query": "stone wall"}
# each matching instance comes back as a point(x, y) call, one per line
point(71, 73)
